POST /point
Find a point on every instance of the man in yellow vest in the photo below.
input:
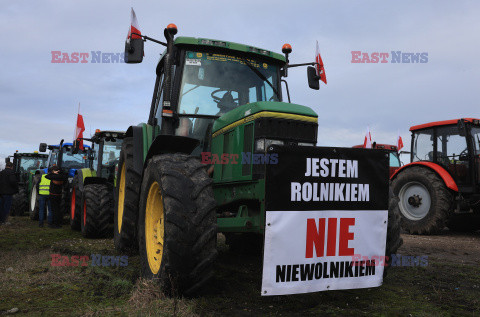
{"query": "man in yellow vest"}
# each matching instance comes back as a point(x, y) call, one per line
point(44, 193)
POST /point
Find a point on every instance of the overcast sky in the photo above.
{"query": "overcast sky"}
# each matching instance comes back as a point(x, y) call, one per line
point(39, 99)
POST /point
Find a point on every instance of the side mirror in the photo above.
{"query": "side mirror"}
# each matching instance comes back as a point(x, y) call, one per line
point(134, 51)
point(461, 127)
point(313, 79)
point(42, 147)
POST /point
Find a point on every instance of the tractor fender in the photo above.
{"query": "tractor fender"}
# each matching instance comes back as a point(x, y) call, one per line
point(171, 144)
point(446, 177)
point(94, 180)
point(84, 174)
point(136, 132)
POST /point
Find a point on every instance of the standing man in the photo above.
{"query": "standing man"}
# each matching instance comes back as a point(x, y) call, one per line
point(44, 192)
point(57, 178)
point(8, 187)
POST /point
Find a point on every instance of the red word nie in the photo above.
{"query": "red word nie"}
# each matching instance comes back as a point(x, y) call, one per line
point(317, 236)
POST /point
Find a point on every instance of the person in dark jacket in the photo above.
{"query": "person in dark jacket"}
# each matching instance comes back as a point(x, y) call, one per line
point(8, 188)
point(57, 178)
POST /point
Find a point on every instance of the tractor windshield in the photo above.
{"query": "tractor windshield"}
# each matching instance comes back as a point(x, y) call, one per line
point(422, 145)
point(110, 158)
point(476, 140)
point(29, 163)
point(394, 159)
point(76, 161)
point(213, 84)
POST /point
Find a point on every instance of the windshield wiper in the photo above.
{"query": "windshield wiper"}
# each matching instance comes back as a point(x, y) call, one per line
point(262, 76)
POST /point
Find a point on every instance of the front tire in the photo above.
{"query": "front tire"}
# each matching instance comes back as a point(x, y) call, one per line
point(424, 200)
point(96, 212)
point(177, 224)
point(126, 202)
point(34, 197)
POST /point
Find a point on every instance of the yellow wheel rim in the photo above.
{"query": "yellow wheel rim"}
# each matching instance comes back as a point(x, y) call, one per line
point(121, 198)
point(154, 227)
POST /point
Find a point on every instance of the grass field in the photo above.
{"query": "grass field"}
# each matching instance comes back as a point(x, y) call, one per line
point(448, 285)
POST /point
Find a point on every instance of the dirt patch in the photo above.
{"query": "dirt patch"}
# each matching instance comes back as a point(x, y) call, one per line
point(462, 248)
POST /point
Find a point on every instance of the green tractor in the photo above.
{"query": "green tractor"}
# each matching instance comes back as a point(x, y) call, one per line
point(24, 165)
point(212, 99)
point(91, 202)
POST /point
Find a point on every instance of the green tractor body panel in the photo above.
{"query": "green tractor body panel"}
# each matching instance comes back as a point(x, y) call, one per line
point(88, 172)
point(246, 111)
point(209, 43)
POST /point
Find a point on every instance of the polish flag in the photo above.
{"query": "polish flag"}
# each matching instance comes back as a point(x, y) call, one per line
point(134, 28)
point(367, 143)
point(399, 143)
point(319, 66)
point(79, 130)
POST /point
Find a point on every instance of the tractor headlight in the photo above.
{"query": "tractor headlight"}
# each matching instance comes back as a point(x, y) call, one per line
point(262, 144)
point(306, 144)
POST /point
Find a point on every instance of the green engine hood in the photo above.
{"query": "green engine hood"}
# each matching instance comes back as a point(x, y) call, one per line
point(275, 108)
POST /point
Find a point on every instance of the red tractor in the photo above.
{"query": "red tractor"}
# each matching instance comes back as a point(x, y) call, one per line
point(394, 157)
point(441, 185)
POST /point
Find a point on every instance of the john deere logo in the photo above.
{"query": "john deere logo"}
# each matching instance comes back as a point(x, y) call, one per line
point(265, 65)
point(199, 55)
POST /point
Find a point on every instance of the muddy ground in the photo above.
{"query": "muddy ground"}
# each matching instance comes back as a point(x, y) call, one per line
point(448, 285)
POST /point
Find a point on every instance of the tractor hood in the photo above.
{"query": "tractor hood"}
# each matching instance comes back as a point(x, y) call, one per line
point(251, 111)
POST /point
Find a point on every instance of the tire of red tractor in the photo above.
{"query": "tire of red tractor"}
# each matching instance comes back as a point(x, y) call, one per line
point(464, 223)
point(424, 202)
point(126, 201)
point(34, 196)
point(394, 240)
point(177, 224)
point(19, 203)
point(76, 205)
point(97, 209)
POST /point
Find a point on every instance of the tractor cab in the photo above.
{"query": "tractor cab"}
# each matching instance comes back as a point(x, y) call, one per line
point(26, 163)
point(63, 156)
point(210, 81)
point(106, 147)
point(452, 144)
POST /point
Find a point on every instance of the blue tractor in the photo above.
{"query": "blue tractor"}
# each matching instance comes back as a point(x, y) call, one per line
point(69, 160)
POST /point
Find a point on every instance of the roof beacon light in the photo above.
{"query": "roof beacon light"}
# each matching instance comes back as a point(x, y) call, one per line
point(172, 29)
point(286, 48)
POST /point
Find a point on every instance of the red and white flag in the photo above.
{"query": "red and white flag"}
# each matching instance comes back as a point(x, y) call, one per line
point(79, 130)
point(399, 143)
point(367, 143)
point(134, 28)
point(319, 66)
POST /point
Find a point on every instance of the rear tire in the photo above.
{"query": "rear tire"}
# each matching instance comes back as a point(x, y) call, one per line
point(34, 196)
point(177, 224)
point(126, 200)
point(424, 200)
point(76, 205)
point(19, 203)
point(97, 210)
